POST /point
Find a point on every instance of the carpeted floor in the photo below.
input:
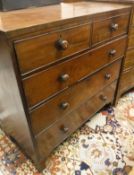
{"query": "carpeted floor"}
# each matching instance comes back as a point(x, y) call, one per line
point(103, 146)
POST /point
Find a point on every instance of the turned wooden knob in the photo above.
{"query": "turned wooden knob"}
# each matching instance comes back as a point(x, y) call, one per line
point(64, 129)
point(107, 76)
point(63, 44)
point(114, 27)
point(112, 52)
point(103, 97)
point(64, 77)
point(64, 105)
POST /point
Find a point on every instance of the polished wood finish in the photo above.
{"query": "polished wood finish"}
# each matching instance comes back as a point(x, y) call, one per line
point(110, 28)
point(48, 48)
point(126, 78)
point(127, 81)
point(77, 68)
point(129, 60)
point(21, 21)
point(44, 116)
point(132, 19)
point(54, 73)
point(56, 134)
point(131, 38)
point(13, 119)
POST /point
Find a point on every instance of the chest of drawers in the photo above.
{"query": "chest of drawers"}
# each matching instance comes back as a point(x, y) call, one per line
point(57, 70)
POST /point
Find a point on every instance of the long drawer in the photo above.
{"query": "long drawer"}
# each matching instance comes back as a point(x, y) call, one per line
point(129, 60)
point(39, 51)
point(54, 135)
point(44, 84)
point(109, 28)
point(127, 81)
point(70, 99)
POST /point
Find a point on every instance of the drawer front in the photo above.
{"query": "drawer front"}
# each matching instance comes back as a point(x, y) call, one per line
point(70, 99)
point(47, 83)
point(129, 60)
point(64, 127)
point(45, 49)
point(127, 81)
point(109, 28)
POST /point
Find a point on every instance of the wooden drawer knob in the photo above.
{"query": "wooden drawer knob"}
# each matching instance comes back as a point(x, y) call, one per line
point(64, 77)
point(114, 27)
point(64, 105)
point(64, 129)
point(112, 52)
point(103, 97)
point(107, 76)
point(62, 44)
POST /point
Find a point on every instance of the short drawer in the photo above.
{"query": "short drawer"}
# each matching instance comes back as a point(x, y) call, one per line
point(42, 85)
point(70, 99)
point(64, 127)
point(36, 52)
point(109, 28)
point(129, 60)
point(127, 81)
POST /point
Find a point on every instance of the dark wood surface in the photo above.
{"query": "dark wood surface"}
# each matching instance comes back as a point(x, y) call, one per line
point(13, 118)
point(131, 38)
point(41, 85)
point(48, 113)
point(103, 30)
point(39, 77)
point(129, 60)
point(69, 123)
point(127, 81)
point(38, 18)
point(126, 78)
point(48, 48)
point(132, 19)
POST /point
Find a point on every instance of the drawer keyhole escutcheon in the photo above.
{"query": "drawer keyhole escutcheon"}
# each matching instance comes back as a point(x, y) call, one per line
point(103, 97)
point(114, 26)
point(64, 77)
point(64, 105)
point(112, 53)
point(64, 129)
point(62, 44)
point(107, 76)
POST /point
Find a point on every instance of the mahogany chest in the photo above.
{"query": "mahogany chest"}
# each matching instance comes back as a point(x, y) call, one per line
point(59, 65)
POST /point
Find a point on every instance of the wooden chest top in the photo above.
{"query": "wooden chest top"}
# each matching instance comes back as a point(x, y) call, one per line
point(36, 18)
